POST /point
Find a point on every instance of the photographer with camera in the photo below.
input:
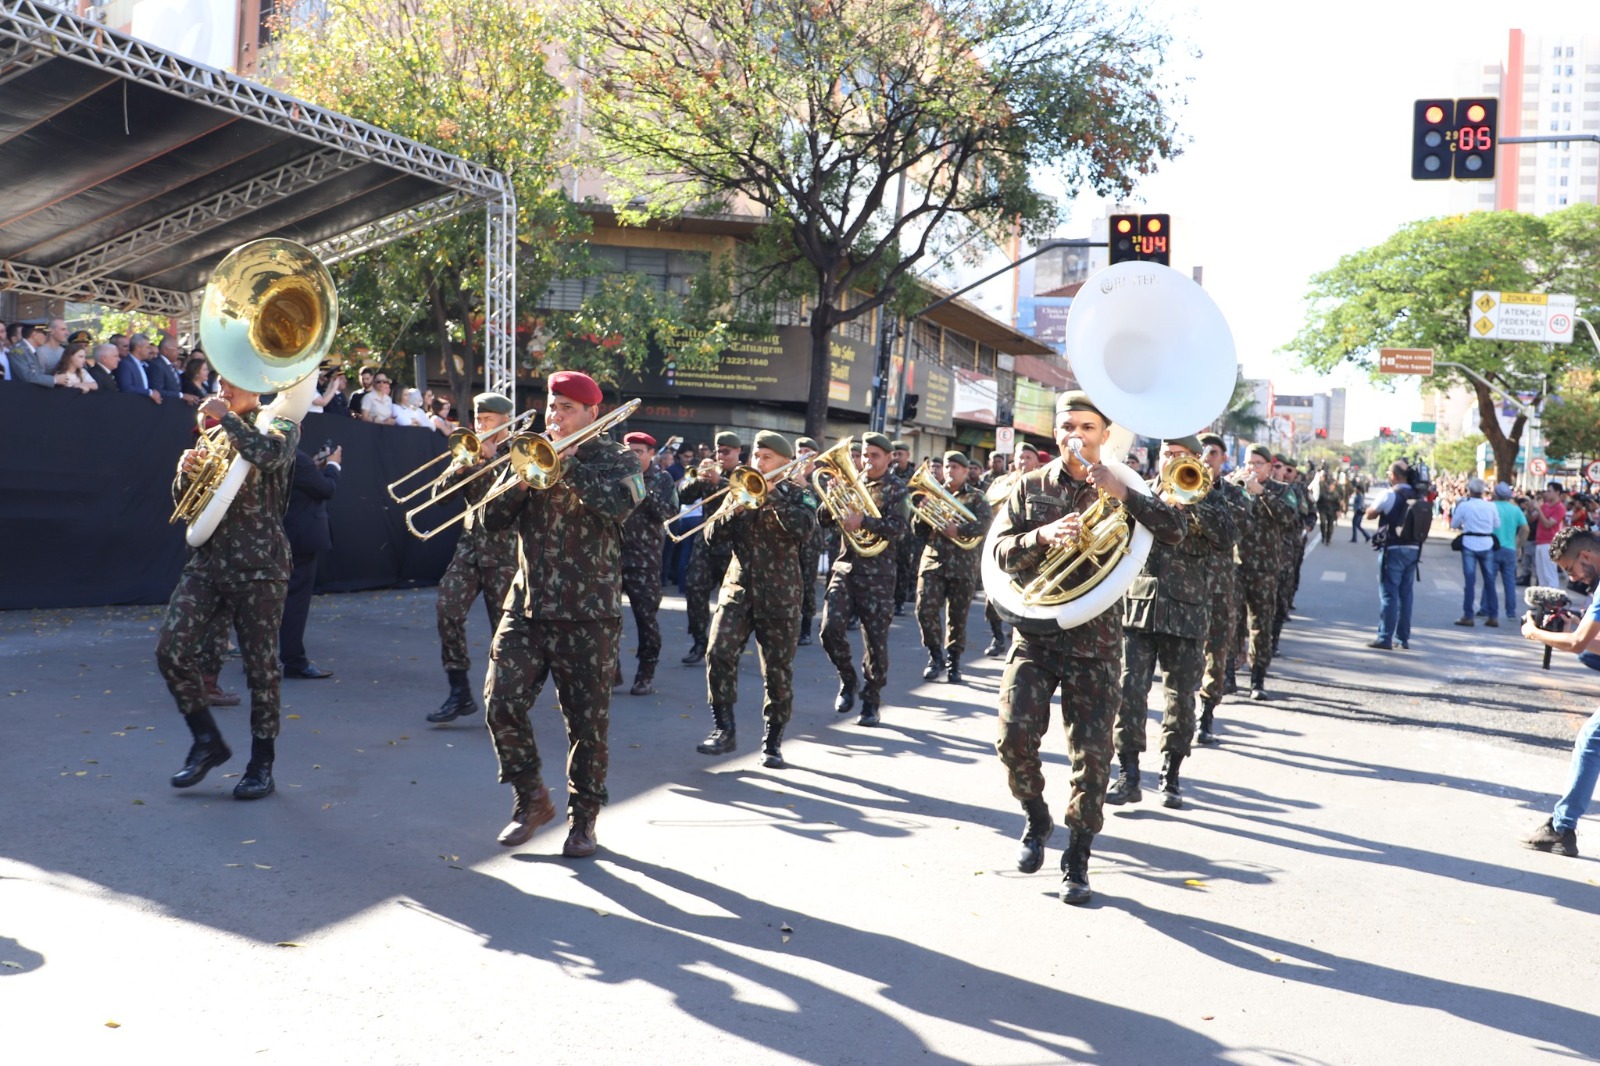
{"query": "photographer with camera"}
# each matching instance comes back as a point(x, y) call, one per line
point(1577, 553)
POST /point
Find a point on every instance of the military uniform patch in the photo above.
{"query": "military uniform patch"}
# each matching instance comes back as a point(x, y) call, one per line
point(636, 487)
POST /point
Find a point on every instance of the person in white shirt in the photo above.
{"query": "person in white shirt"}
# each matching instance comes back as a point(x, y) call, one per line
point(72, 372)
point(409, 412)
point(1478, 520)
point(377, 406)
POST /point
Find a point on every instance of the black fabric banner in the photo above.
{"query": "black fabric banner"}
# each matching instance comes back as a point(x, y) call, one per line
point(85, 492)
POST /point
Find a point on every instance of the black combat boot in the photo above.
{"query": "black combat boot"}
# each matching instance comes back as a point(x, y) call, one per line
point(847, 695)
point(805, 631)
point(644, 680)
point(1258, 682)
point(997, 642)
point(1075, 867)
point(771, 746)
point(459, 703)
point(935, 665)
point(257, 780)
point(1230, 683)
point(869, 712)
point(1126, 787)
point(1170, 792)
point(1204, 735)
point(617, 680)
point(953, 674)
point(722, 739)
point(1034, 834)
point(208, 750)
point(697, 652)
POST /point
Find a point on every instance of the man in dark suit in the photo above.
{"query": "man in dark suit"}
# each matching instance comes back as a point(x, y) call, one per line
point(131, 373)
point(306, 523)
point(165, 378)
point(104, 367)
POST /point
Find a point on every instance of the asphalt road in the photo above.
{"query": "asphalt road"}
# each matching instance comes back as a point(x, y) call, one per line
point(1345, 885)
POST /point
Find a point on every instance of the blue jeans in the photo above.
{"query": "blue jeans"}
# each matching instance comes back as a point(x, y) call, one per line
point(1471, 563)
point(1396, 577)
point(1580, 785)
point(1503, 565)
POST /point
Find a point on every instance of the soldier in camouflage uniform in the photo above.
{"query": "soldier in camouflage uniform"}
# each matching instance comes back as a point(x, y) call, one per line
point(1329, 500)
point(1043, 511)
point(1167, 618)
point(1261, 550)
point(709, 562)
point(948, 577)
point(239, 576)
point(483, 562)
point(643, 536)
point(1025, 460)
point(1294, 544)
point(563, 616)
point(760, 595)
point(909, 550)
point(865, 585)
point(1226, 590)
point(811, 551)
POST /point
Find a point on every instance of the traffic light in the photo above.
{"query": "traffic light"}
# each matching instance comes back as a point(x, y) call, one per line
point(1476, 138)
point(1430, 143)
point(908, 406)
point(1141, 238)
point(1322, 434)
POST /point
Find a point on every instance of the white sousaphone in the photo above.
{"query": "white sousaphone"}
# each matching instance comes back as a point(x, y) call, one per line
point(266, 322)
point(1154, 352)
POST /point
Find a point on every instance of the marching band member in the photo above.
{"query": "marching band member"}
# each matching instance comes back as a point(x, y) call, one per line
point(643, 536)
point(1261, 551)
point(1043, 511)
point(1226, 591)
point(811, 550)
point(948, 576)
point(563, 616)
point(710, 561)
point(761, 594)
point(483, 562)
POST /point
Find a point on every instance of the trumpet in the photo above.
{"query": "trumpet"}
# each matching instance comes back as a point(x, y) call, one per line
point(464, 446)
point(937, 506)
point(747, 489)
point(532, 457)
point(1184, 480)
point(840, 486)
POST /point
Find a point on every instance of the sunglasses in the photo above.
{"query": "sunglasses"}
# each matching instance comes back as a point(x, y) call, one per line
point(380, 381)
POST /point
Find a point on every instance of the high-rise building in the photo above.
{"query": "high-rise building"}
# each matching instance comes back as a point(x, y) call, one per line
point(1548, 84)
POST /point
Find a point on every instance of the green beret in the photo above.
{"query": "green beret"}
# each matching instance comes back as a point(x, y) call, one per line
point(877, 440)
point(775, 441)
point(956, 457)
point(491, 403)
point(1208, 439)
point(1077, 400)
point(899, 446)
point(807, 442)
point(1261, 450)
point(1191, 442)
point(1026, 447)
point(728, 440)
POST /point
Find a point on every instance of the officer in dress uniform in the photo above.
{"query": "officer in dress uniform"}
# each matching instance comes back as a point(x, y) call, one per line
point(948, 576)
point(643, 537)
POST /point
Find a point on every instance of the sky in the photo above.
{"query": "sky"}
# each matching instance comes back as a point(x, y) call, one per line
point(1299, 122)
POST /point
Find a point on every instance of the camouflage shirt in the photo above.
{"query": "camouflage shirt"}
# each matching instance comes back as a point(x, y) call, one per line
point(1272, 515)
point(692, 489)
point(1224, 568)
point(249, 543)
point(1041, 497)
point(941, 553)
point(765, 571)
point(889, 494)
point(1172, 593)
point(569, 536)
point(476, 544)
point(643, 534)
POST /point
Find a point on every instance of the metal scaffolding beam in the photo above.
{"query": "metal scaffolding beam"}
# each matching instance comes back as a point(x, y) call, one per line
point(126, 296)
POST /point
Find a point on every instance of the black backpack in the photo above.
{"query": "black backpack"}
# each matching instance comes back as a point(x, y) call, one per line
point(1413, 529)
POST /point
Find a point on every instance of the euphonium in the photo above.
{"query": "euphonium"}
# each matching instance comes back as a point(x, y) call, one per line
point(1070, 570)
point(840, 486)
point(937, 506)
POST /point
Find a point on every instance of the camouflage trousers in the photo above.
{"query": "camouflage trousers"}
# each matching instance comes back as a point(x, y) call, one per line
point(1288, 578)
point(215, 649)
point(1223, 638)
point(908, 553)
point(1090, 696)
point(871, 598)
point(198, 616)
point(643, 587)
point(706, 571)
point(461, 584)
point(1258, 607)
point(776, 640)
point(943, 603)
point(1183, 661)
point(1327, 519)
point(810, 554)
point(583, 658)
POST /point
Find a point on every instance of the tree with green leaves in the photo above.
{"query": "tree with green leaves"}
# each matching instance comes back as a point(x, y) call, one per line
point(1414, 291)
point(1240, 419)
point(869, 132)
point(1458, 456)
point(1571, 418)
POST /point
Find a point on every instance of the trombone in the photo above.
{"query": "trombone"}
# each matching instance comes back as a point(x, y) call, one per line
point(839, 484)
point(462, 446)
point(749, 488)
point(532, 457)
point(938, 506)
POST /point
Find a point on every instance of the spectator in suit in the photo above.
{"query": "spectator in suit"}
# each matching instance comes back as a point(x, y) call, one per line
point(306, 523)
point(166, 372)
point(5, 355)
point(104, 367)
point(131, 373)
point(196, 380)
point(121, 342)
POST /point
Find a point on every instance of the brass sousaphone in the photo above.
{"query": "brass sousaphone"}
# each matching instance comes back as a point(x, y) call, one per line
point(1153, 351)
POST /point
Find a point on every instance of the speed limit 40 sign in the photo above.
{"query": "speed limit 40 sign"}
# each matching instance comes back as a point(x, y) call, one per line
point(1592, 471)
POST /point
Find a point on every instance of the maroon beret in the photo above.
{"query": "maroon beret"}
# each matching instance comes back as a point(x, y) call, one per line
point(575, 386)
point(640, 438)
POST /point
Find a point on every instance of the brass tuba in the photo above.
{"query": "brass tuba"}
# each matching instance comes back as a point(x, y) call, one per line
point(266, 320)
point(840, 486)
point(1155, 352)
point(937, 506)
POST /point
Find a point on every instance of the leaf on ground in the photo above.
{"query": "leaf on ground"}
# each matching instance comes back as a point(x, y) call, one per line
point(247, 841)
point(292, 717)
point(138, 803)
point(1207, 1017)
point(785, 928)
point(233, 865)
point(81, 773)
point(601, 913)
point(8, 964)
point(113, 1025)
point(258, 866)
point(286, 944)
point(786, 938)
point(1193, 883)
